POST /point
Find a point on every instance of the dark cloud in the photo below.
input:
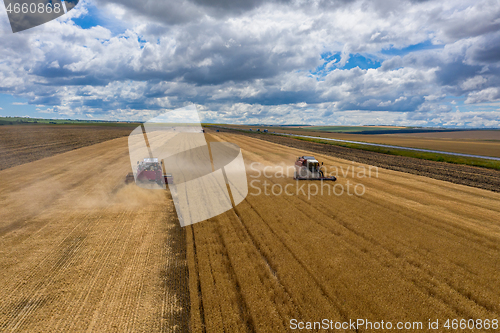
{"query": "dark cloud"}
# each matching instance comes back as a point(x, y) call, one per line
point(451, 74)
point(172, 12)
point(165, 12)
point(392, 63)
point(473, 21)
point(486, 50)
point(46, 100)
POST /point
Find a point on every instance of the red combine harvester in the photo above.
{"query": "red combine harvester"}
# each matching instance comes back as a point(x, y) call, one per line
point(150, 170)
point(308, 168)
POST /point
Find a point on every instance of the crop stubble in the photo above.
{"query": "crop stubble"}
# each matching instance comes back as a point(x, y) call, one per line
point(82, 252)
point(411, 248)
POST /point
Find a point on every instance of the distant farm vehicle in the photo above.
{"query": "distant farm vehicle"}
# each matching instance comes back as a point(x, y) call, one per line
point(217, 131)
point(258, 129)
point(150, 171)
point(308, 168)
point(266, 131)
point(250, 129)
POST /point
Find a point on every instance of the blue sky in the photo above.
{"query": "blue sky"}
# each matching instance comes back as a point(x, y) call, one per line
point(431, 63)
point(93, 18)
point(17, 106)
point(355, 60)
point(426, 45)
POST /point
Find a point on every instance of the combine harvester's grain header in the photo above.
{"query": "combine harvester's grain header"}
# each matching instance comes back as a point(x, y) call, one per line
point(308, 168)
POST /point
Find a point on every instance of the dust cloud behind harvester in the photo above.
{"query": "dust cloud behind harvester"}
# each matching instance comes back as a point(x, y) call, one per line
point(200, 172)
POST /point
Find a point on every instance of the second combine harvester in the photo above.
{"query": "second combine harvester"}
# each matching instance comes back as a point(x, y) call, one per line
point(308, 168)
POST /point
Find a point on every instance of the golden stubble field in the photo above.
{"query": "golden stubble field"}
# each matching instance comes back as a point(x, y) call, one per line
point(410, 249)
point(82, 252)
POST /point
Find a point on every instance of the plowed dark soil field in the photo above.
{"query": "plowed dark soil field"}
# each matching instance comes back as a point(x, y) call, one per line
point(21, 144)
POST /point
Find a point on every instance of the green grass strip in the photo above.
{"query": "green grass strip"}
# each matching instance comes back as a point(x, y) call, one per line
point(490, 164)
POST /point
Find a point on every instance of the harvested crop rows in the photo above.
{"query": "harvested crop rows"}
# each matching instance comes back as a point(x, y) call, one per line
point(411, 248)
point(82, 252)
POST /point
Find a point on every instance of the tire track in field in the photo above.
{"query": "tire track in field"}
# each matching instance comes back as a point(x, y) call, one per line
point(125, 311)
point(102, 257)
point(42, 285)
point(429, 287)
point(138, 287)
point(271, 273)
point(335, 300)
point(60, 264)
point(56, 275)
point(57, 265)
point(108, 298)
point(175, 309)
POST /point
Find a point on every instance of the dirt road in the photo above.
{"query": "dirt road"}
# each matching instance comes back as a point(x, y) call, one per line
point(410, 248)
point(81, 252)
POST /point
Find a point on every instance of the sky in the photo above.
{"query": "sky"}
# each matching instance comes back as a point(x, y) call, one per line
point(387, 62)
